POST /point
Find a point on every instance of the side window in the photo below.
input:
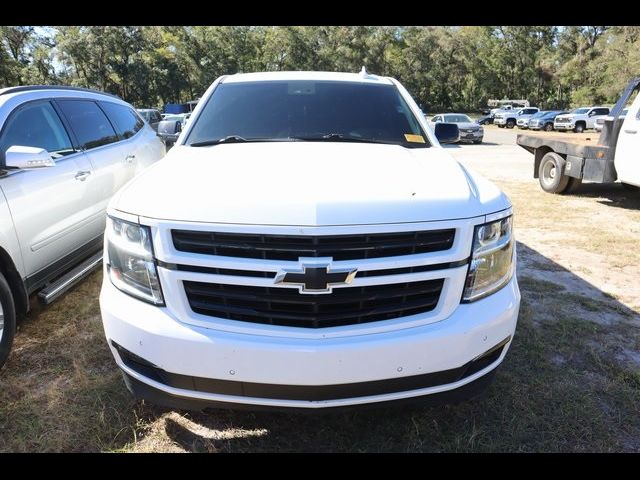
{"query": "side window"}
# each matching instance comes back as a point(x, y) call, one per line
point(602, 111)
point(36, 124)
point(89, 123)
point(156, 116)
point(126, 121)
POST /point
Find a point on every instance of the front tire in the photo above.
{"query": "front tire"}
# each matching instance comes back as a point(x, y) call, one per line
point(579, 128)
point(548, 127)
point(7, 320)
point(511, 123)
point(550, 174)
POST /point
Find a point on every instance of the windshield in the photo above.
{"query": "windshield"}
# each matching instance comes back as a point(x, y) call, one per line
point(457, 119)
point(307, 110)
point(580, 111)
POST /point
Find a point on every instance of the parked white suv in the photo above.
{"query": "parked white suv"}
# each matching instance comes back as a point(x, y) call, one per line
point(63, 154)
point(580, 119)
point(308, 243)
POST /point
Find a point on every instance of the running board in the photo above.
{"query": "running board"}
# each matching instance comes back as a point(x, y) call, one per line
point(64, 283)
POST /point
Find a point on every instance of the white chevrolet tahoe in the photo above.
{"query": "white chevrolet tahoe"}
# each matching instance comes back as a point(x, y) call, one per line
point(63, 153)
point(308, 244)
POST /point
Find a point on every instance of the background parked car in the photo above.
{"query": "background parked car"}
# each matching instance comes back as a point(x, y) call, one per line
point(151, 116)
point(470, 131)
point(510, 118)
point(580, 119)
point(64, 152)
point(485, 120)
point(600, 121)
point(171, 126)
point(544, 120)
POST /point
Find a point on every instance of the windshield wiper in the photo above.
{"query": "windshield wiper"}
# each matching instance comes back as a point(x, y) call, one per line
point(340, 137)
point(227, 139)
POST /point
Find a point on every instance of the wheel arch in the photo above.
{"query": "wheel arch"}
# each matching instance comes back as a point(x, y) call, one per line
point(541, 152)
point(18, 290)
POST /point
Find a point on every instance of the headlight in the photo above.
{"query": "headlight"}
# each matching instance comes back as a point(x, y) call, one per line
point(130, 261)
point(491, 259)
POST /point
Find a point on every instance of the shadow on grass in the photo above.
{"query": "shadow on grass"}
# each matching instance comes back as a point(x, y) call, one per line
point(612, 194)
point(570, 382)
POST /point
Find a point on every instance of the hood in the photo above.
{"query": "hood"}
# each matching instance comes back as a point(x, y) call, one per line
point(307, 183)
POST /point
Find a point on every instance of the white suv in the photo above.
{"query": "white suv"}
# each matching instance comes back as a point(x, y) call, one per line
point(308, 243)
point(63, 153)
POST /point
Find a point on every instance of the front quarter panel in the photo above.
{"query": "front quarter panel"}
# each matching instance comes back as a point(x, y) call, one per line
point(8, 238)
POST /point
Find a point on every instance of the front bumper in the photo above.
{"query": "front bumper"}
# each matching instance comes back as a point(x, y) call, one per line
point(471, 136)
point(499, 121)
point(563, 126)
point(209, 366)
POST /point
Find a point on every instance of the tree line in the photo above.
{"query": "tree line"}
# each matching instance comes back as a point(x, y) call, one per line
point(444, 68)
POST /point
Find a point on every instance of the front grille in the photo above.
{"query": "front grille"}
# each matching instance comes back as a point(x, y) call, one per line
point(292, 247)
point(288, 307)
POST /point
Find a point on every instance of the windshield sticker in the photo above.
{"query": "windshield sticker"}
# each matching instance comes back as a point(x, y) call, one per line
point(410, 137)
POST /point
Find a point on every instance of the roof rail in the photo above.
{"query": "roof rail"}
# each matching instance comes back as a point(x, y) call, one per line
point(29, 88)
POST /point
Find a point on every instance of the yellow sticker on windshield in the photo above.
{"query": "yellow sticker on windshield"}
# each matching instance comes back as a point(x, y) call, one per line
point(410, 137)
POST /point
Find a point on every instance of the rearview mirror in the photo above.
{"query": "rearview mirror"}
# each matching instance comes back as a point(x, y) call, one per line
point(21, 157)
point(447, 132)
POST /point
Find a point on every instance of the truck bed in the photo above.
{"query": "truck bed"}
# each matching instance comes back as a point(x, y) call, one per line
point(566, 144)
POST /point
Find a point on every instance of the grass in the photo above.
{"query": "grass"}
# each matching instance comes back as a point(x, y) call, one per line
point(570, 382)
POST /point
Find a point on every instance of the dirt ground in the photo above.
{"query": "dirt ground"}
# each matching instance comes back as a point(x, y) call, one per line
point(570, 381)
point(592, 232)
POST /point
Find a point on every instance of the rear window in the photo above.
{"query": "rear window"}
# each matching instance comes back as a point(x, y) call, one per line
point(88, 122)
point(288, 110)
point(125, 120)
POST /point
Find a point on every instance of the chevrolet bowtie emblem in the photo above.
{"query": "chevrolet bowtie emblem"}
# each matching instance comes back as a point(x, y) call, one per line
point(315, 277)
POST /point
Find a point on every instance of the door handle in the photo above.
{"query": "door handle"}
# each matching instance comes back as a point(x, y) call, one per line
point(130, 158)
point(632, 132)
point(82, 175)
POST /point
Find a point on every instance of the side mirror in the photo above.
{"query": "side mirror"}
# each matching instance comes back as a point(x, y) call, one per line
point(447, 132)
point(23, 158)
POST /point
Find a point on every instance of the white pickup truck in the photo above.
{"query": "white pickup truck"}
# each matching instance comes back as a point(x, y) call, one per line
point(561, 164)
point(307, 243)
point(580, 119)
point(509, 118)
point(63, 153)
